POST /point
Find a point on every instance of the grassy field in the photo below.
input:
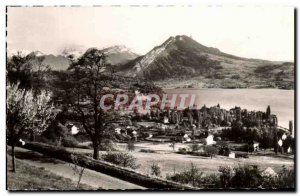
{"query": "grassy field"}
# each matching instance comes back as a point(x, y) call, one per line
point(169, 161)
point(36, 178)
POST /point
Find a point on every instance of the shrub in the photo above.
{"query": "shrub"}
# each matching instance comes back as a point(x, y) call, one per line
point(44, 140)
point(69, 141)
point(246, 177)
point(211, 181)
point(147, 150)
point(192, 176)
point(182, 151)
point(236, 76)
point(82, 137)
point(211, 151)
point(130, 145)
point(242, 148)
point(284, 179)
point(224, 149)
point(120, 158)
point(241, 155)
point(155, 169)
point(240, 177)
point(195, 147)
point(107, 145)
point(250, 177)
point(226, 175)
point(202, 154)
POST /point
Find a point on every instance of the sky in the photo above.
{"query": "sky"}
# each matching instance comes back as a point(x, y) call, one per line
point(252, 32)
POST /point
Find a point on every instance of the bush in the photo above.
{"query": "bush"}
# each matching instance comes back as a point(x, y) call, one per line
point(285, 179)
point(147, 150)
point(211, 151)
point(130, 145)
point(246, 177)
point(250, 177)
point(195, 147)
point(224, 148)
point(155, 170)
point(120, 158)
point(236, 76)
point(69, 141)
point(82, 137)
point(193, 176)
point(242, 148)
point(202, 154)
point(240, 177)
point(107, 145)
point(44, 140)
point(182, 151)
point(241, 155)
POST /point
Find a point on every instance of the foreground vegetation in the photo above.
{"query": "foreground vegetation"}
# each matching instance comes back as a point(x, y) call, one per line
point(239, 177)
point(33, 178)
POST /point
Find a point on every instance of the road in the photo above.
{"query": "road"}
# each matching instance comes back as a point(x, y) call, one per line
point(90, 177)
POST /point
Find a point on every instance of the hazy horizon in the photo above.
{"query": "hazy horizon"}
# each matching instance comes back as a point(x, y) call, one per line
point(251, 32)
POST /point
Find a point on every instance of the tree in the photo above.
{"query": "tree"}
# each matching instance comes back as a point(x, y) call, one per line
point(28, 70)
point(76, 169)
point(267, 140)
point(112, 69)
point(130, 145)
point(191, 119)
point(211, 151)
point(39, 71)
point(155, 170)
point(18, 70)
point(173, 144)
point(25, 113)
point(291, 127)
point(86, 94)
point(275, 141)
point(268, 112)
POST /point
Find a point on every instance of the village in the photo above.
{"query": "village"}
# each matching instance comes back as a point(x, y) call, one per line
point(197, 125)
point(223, 137)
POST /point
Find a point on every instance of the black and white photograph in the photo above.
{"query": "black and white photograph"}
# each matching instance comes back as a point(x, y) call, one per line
point(150, 98)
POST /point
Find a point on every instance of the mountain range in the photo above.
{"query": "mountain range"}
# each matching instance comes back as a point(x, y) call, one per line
point(183, 62)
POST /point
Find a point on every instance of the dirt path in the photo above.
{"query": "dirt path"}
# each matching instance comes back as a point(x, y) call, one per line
point(90, 177)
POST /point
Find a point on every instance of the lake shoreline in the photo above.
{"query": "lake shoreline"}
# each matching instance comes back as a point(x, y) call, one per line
point(281, 101)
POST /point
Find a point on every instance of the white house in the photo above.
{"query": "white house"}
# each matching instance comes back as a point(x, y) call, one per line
point(210, 140)
point(269, 172)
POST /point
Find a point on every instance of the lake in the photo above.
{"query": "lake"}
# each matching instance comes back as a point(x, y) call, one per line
point(280, 101)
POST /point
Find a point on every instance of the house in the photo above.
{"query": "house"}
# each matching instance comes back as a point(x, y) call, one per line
point(166, 120)
point(269, 172)
point(231, 155)
point(73, 129)
point(182, 137)
point(118, 130)
point(210, 140)
point(253, 145)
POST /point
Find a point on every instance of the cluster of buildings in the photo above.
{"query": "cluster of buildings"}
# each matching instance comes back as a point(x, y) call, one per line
point(211, 117)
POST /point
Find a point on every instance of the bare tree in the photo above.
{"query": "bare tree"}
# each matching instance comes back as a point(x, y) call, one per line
point(86, 95)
